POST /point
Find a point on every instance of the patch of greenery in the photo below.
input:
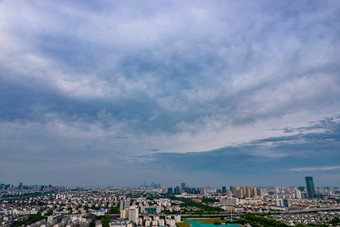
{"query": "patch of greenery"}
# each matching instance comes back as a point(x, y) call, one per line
point(105, 220)
point(209, 200)
point(31, 219)
point(114, 210)
point(335, 221)
point(255, 220)
point(189, 202)
point(182, 224)
point(49, 213)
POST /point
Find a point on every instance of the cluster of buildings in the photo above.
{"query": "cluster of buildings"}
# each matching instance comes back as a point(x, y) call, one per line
point(153, 206)
point(184, 189)
point(148, 221)
point(33, 188)
point(130, 213)
point(247, 192)
point(239, 192)
point(318, 218)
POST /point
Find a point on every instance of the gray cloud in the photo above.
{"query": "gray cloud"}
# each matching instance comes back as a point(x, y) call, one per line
point(120, 81)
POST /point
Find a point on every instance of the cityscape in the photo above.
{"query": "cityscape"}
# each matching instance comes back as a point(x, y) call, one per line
point(179, 206)
point(171, 113)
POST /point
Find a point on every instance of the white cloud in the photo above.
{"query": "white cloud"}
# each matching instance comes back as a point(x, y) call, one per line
point(307, 169)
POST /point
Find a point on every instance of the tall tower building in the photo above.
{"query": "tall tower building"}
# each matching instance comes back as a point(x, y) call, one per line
point(182, 187)
point(231, 189)
point(297, 193)
point(310, 187)
point(125, 203)
point(133, 213)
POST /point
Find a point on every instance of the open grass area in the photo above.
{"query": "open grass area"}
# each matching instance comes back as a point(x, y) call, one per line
point(182, 224)
point(217, 221)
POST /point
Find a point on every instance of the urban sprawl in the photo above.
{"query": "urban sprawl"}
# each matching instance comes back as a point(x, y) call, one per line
point(180, 206)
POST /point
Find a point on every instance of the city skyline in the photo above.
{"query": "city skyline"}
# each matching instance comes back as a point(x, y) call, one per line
point(309, 186)
point(116, 93)
point(145, 207)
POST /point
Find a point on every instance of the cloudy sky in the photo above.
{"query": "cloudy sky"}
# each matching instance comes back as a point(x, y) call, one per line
point(204, 92)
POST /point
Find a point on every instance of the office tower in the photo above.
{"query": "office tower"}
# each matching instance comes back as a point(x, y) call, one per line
point(20, 186)
point(182, 187)
point(301, 188)
point(231, 189)
point(170, 190)
point(224, 189)
point(310, 187)
point(177, 190)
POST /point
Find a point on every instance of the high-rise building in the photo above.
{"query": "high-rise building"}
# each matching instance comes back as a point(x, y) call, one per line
point(297, 193)
point(228, 192)
point(301, 188)
point(182, 187)
point(282, 202)
point(249, 192)
point(177, 190)
point(310, 187)
point(238, 192)
point(124, 214)
point(224, 189)
point(259, 192)
point(125, 203)
point(133, 213)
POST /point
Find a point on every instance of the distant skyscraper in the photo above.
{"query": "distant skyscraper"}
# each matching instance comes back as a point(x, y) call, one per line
point(177, 190)
point(170, 190)
point(231, 189)
point(310, 187)
point(182, 187)
point(224, 189)
point(301, 188)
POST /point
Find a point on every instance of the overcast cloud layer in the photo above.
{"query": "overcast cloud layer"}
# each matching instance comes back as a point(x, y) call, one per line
point(206, 92)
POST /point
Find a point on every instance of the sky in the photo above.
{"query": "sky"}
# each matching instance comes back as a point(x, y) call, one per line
point(210, 93)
